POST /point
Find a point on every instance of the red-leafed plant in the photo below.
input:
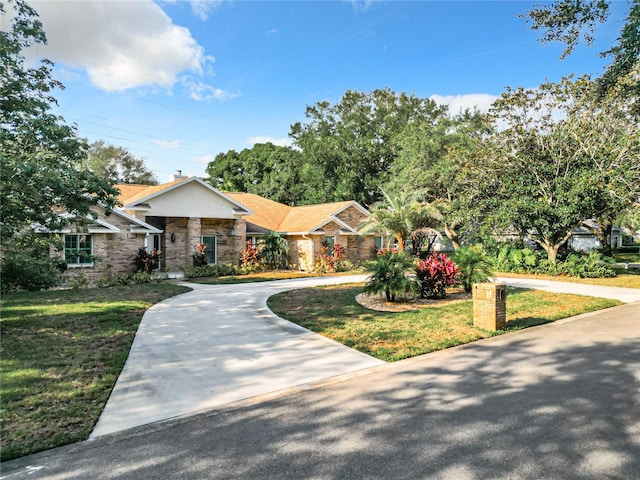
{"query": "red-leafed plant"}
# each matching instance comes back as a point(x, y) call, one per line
point(250, 258)
point(330, 261)
point(200, 257)
point(435, 274)
point(250, 255)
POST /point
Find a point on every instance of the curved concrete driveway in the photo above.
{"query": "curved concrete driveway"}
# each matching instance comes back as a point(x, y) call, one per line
point(219, 344)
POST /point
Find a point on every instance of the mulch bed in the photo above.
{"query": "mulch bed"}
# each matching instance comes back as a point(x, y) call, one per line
point(378, 303)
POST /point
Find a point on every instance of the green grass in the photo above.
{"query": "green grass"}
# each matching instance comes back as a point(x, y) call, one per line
point(61, 354)
point(263, 277)
point(627, 279)
point(627, 257)
point(334, 313)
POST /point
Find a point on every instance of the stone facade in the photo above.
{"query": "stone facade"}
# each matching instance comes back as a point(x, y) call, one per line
point(352, 216)
point(229, 246)
point(183, 234)
point(113, 253)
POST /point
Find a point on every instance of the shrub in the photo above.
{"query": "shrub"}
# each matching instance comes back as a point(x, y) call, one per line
point(332, 262)
point(200, 257)
point(146, 261)
point(139, 278)
point(474, 264)
point(210, 271)
point(592, 265)
point(78, 281)
point(28, 266)
point(388, 276)
point(435, 274)
point(512, 259)
point(109, 279)
point(250, 258)
point(274, 250)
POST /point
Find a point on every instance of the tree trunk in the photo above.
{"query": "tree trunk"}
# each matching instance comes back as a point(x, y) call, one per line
point(452, 235)
point(552, 252)
point(400, 244)
point(604, 235)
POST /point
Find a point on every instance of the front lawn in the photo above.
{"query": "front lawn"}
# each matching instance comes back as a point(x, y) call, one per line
point(61, 354)
point(263, 277)
point(334, 313)
point(631, 279)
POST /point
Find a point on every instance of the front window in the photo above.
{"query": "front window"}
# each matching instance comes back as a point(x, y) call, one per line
point(78, 249)
point(211, 244)
point(377, 243)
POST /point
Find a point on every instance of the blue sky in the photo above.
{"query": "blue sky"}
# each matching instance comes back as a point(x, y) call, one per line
point(178, 82)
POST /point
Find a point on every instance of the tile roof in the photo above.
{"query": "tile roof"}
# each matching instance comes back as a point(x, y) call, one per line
point(131, 193)
point(267, 213)
point(308, 218)
point(279, 217)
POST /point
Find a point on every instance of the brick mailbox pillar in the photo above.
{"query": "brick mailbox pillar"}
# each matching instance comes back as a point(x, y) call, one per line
point(490, 305)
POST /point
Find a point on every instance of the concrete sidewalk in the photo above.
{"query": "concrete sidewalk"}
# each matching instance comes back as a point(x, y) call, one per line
point(555, 401)
point(219, 344)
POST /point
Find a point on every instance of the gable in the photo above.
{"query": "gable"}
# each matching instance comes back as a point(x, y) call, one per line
point(353, 216)
point(116, 221)
point(185, 198)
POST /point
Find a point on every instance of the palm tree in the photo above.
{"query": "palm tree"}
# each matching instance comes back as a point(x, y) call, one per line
point(403, 217)
point(274, 250)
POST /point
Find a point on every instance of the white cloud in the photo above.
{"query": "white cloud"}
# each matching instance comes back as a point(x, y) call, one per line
point(280, 142)
point(458, 103)
point(203, 159)
point(200, 91)
point(169, 145)
point(361, 5)
point(202, 8)
point(121, 44)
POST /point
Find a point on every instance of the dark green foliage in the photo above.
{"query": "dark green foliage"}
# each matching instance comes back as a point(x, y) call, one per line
point(435, 161)
point(387, 275)
point(27, 266)
point(118, 165)
point(146, 261)
point(566, 21)
point(274, 250)
point(475, 266)
point(349, 147)
point(576, 264)
point(265, 169)
point(510, 258)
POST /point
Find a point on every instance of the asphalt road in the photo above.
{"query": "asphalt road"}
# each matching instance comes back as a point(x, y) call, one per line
point(557, 401)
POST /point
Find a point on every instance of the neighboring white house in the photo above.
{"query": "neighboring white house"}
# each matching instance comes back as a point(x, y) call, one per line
point(583, 240)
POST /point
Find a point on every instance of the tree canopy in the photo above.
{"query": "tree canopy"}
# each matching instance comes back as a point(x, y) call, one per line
point(117, 165)
point(40, 155)
point(560, 159)
point(265, 169)
point(350, 147)
point(567, 21)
